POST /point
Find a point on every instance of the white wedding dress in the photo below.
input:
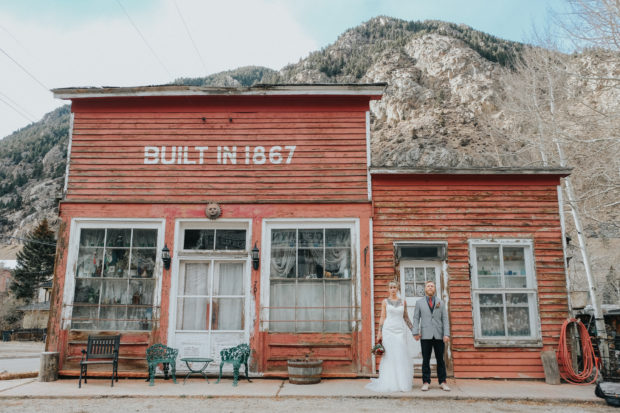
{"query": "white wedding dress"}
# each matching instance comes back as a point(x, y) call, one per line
point(396, 368)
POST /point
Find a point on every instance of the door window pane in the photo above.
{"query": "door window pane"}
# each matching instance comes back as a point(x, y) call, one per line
point(229, 280)
point(227, 314)
point(194, 280)
point(192, 313)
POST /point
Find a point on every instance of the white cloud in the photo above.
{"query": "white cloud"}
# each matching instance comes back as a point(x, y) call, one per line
point(109, 52)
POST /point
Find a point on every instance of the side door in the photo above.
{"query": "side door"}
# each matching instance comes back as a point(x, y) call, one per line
point(413, 277)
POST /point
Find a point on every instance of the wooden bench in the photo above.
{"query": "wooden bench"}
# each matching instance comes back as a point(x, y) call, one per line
point(167, 356)
point(100, 350)
point(237, 356)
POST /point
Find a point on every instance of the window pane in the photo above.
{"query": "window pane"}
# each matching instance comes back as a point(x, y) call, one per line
point(84, 316)
point(338, 237)
point(194, 280)
point(198, 239)
point(114, 292)
point(409, 273)
point(227, 314)
point(192, 313)
point(92, 237)
point(430, 274)
point(337, 311)
point(310, 238)
point(116, 263)
point(143, 263)
point(144, 238)
point(519, 299)
point(410, 290)
point(492, 321)
point(337, 263)
point(282, 307)
point(118, 238)
point(112, 317)
point(283, 262)
point(518, 319)
point(309, 308)
point(87, 291)
point(139, 318)
point(230, 239)
point(229, 281)
point(487, 260)
point(310, 262)
point(141, 292)
point(89, 262)
point(419, 276)
point(283, 238)
point(491, 300)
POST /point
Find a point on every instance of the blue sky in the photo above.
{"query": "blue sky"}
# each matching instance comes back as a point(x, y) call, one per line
point(59, 43)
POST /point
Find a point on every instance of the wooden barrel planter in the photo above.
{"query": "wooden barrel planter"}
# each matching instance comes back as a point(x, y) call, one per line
point(305, 371)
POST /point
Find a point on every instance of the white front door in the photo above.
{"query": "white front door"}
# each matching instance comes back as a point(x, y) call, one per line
point(209, 308)
point(413, 277)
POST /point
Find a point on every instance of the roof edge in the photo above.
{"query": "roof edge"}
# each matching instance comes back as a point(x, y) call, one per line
point(477, 171)
point(351, 89)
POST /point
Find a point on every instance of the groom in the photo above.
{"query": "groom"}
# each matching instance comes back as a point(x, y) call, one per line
point(430, 320)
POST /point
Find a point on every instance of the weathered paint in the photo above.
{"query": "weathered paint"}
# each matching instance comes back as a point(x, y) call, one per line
point(456, 208)
point(240, 149)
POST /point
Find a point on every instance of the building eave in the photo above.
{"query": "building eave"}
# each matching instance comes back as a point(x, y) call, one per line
point(372, 89)
point(471, 171)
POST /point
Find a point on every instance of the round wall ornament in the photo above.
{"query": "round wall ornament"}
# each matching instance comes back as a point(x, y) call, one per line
point(213, 210)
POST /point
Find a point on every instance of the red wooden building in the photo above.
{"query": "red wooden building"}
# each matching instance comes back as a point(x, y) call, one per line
point(278, 236)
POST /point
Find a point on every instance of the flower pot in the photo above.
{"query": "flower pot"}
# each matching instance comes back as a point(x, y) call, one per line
point(304, 371)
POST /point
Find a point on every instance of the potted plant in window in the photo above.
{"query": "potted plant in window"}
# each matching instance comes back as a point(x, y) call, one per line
point(305, 371)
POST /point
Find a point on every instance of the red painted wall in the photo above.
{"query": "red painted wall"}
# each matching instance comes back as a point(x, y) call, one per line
point(456, 208)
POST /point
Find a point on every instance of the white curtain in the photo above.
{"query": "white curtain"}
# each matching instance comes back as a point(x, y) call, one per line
point(283, 253)
point(282, 294)
point(192, 311)
point(309, 294)
point(228, 312)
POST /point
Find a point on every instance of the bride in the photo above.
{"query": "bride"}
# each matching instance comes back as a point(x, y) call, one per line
point(396, 369)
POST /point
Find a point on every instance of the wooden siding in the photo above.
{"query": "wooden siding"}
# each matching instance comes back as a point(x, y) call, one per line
point(328, 163)
point(458, 208)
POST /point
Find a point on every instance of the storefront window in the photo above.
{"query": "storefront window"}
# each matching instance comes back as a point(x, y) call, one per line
point(504, 291)
point(115, 280)
point(310, 280)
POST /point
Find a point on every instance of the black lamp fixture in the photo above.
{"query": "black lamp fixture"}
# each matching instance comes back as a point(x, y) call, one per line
point(165, 256)
point(255, 257)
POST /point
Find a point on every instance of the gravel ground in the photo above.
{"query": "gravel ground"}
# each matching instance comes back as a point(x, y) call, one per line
point(273, 405)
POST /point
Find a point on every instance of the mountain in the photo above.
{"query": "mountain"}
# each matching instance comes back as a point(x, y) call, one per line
point(447, 104)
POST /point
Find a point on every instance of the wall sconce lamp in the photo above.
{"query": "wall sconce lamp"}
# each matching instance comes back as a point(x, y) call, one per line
point(165, 256)
point(255, 257)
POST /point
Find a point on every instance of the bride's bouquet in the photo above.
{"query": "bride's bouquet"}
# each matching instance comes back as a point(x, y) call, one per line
point(378, 349)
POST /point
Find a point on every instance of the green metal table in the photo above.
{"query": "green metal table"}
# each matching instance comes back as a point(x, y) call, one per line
point(205, 362)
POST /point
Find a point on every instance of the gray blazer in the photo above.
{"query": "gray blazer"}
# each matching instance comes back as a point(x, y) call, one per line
point(431, 325)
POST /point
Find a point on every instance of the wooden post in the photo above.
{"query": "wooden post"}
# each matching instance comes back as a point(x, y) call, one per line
point(550, 364)
point(49, 366)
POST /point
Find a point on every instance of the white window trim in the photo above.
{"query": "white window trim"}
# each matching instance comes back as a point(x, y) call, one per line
point(308, 223)
point(179, 254)
point(535, 340)
point(77, 224)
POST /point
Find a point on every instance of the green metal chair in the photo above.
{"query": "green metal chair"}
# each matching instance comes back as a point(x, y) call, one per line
point(167, 356)
point(236, 356)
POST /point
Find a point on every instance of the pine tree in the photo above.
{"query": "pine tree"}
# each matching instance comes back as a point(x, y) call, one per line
point(35, 263)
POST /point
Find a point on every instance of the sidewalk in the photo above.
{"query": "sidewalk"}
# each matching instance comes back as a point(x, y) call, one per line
point(490, 390)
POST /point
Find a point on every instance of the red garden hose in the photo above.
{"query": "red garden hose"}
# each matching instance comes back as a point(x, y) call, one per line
point(587, 351)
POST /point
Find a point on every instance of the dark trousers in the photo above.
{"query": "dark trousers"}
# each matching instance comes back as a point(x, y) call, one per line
point(438, 346)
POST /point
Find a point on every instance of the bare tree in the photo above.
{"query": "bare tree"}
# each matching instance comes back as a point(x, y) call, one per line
point(592, 23)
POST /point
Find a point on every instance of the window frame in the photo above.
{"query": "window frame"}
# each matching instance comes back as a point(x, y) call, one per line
point(310, 223)
point(531, 289)
point(77, 225)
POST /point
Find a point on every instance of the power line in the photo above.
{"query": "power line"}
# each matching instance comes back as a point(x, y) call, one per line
point(189, 34)
point(15, 109)
point(144, 39)
point(25, 70)
point(17, 105)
